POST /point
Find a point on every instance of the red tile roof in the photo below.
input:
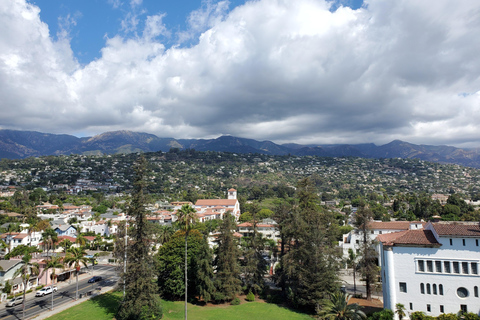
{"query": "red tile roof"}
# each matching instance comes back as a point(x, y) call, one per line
point(461, 229)
point(216, 202)
point(393, 225)
point(409, 237)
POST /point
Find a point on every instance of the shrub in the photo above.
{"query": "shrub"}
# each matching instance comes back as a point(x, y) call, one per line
point(418, 315)
point(447, 316)
point(235, 302)
point(250, 296)
point(470, 316)
point(385, 314)
point(39, 287)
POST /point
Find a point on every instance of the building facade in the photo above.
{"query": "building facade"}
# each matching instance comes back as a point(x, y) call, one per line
point(434, 270)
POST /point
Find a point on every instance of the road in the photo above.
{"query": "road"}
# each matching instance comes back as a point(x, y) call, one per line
point(65, 294)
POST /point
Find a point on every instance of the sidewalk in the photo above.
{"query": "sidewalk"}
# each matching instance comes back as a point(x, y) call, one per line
point(346, 275)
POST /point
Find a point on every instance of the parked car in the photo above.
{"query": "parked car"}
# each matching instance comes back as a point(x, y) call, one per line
point(45, 290)
point(95, 279)
point(15, 301)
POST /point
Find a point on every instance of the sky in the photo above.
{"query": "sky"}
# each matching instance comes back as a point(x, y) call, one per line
point(303, 71)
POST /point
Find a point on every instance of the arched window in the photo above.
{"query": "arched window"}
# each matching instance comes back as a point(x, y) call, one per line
point(440, 289)
point(428, 288)
point(434, 287)
point(422, 288)
point(475, 291)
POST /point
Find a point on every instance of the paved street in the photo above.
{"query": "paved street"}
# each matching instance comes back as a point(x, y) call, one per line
point(347, 279)
point(39, 307)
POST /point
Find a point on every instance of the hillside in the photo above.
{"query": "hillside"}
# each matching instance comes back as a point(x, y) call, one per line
point(24, 144)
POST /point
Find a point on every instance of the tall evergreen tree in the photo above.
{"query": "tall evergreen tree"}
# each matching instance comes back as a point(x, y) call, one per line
point(366, 250)
point(255, 265)
point(283, 216)
point(227, 278)
point(141, 291)
point(313, 261)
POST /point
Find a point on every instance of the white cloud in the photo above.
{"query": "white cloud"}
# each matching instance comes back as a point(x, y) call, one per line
point(269, 69)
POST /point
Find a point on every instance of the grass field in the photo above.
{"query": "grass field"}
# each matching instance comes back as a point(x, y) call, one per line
point(104, 307)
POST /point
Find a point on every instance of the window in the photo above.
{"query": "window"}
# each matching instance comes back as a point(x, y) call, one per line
point(421, 266)
point(440, 289)
point(442, 310)
point(429, 266)
point(475, 291)
point(422, 288)
point(428, 288)
point(434, 288)
point(411, 306)
point(429, 308)
point(462, 292)
point(474, 268)
point(451, 242)
point(463, 242)
point(403, 286)
point(446, 265)
point(438, 266)
point(463, 308)
point(476, 242)
point(456, 267)
point(465, 267)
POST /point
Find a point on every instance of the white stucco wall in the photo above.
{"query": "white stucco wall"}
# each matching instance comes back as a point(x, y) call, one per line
point(401, 265)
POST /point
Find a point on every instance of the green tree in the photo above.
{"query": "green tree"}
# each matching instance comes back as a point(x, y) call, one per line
point(26, 271)
point(312, 263)
point(366, 252)
point(400, 310)
point(65, 244)
point(141, 297)
point(227, 277)
point(76, 257)
point(352, 263)
point(283, 216)
point(187, 217)
point(170, 259)
point(337, 308)
point(52, 264)
point(254, 265)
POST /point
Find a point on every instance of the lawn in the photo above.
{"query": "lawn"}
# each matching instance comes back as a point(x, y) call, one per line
point(104, 307)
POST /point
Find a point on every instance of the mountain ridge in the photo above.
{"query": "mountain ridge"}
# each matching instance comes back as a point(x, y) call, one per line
point(16, 144)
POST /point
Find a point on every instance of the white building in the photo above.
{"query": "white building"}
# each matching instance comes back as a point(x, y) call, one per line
point(354, 238)
point(230, 204)
point(434, 270)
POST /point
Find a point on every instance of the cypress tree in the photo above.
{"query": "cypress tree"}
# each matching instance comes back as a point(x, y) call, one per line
point(366, 250)
point(313, 261)
point(141, 295)
point(227, 279)
point(254, 264)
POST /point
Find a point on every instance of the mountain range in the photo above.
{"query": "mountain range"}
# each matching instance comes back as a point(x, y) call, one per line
point(22, 144)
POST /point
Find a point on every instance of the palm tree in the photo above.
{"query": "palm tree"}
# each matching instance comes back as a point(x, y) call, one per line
point(81, 241)
point(50, 237)
point(97, 240)
point(76, 257)
point(53, 263)
point(352, 262)
point(337, 308)
point(65, 244)
point(187, 216)
point(400, 310)
point(164, 234)
point(25, 271)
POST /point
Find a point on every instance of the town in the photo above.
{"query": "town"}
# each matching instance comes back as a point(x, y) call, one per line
point(400, 216)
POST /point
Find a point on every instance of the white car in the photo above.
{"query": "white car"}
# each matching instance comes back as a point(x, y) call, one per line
point(15, 301)
point(45, 290)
